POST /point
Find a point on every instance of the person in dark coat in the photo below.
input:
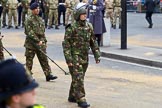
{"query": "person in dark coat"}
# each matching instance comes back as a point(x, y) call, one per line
point(19, 10)
point(96, 18)
point(1, 9)
point(61, 9)
point(149, 6)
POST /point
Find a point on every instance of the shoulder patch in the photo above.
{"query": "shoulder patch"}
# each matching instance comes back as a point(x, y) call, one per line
point(69, 25)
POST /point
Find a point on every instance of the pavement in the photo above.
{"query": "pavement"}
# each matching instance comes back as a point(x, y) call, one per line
point(135, 54)
point(105, 87)
point(143, 44)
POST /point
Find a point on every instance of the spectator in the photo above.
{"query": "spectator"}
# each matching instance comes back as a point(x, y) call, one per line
point(150, 6)
point(61, 10)
point(96, 18)
point(17, 87)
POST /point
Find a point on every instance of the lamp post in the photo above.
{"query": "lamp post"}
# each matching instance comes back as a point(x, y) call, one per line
point(124, 24)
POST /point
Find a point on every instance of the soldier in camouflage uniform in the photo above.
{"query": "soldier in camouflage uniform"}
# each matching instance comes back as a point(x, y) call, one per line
point(79, 37)
point(109, 10)
point(69, 10)
point(4, 12)
point(46, 12)
point(12, 12)
point(53, 12)
point(25, 4)
point(36, 41)
point(117, 13)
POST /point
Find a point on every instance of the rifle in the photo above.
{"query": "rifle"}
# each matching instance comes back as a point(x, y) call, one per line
point(38, 48)
point(6, 49)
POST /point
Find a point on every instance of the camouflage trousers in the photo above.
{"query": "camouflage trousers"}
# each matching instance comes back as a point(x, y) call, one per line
point(12, 13)
point(117, 14)
point(109, 14)
point(77, 72)
point(46, 15)
point(30, 53)
point(25, 12)
point(69, 13)
point(5, 12)
point(53, 13)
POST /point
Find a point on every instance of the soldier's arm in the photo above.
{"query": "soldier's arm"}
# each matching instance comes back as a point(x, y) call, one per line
point(93, 45)
point(66, 44)
point(67, 3)
point(29, 31)
point(7, 4)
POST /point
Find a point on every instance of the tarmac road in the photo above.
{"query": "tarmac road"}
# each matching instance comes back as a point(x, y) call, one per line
point(111, 84)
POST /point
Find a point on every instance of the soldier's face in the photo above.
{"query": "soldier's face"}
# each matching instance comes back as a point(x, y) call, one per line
point(83, 17)
point(36, 11)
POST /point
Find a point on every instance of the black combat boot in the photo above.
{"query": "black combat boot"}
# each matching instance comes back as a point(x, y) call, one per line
point(16, 27)
point(56, 27)
point(4, 25)
point(9, 27)
point(119, 26)
point(72, 99)
point(150, 26)
point(83, 104)
point(45, 25)
point(114, 26)
point(49, 27)
point(50, 77)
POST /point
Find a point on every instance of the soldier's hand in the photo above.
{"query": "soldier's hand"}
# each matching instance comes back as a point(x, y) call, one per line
point(40, 43)
point(97, 61)
point(70, 64)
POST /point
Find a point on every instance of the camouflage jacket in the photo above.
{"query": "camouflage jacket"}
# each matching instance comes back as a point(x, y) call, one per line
point(71, 3)
point(4, 3)
point(25, 4)
point(53, 4)
point(109, 4)
point(35, 31)
point(12, 4)
point(117, 3)
point(78, 39)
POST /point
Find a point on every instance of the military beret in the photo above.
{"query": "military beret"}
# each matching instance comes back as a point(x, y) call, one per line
point(34, 6)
